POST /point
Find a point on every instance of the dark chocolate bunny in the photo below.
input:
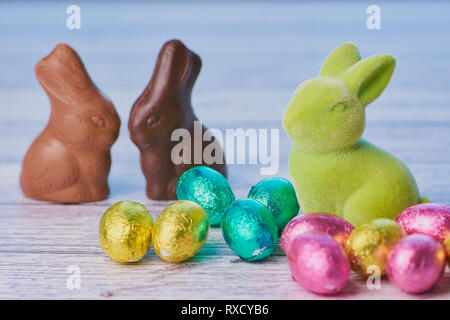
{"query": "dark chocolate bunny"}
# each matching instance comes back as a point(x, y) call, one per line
point(69, 161)
point(164, 106)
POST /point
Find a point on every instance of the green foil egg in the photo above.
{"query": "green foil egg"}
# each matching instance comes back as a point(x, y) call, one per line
point(250, 229)
point(279, 195)
point(208, 188)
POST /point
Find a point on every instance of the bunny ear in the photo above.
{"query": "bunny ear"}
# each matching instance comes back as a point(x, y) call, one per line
point(369, 77)
point(52, 84)
point(195, 64)
point(62, 73)
point(340, 60)
point(172, 66)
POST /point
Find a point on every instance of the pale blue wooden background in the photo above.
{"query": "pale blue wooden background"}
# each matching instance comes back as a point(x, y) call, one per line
point(254, 55)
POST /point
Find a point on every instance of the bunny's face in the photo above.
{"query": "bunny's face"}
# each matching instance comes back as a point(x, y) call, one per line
point(324, 116)
point(94, 126)
point(327, 114)
point(152, 125)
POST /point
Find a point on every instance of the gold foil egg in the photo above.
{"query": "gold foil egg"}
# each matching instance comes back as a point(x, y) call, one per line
point(180, 231)
point(447, 249)
point(125, 231)
point(369, 244)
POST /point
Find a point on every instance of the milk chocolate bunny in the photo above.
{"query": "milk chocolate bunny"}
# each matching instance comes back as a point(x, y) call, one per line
point(332, 168)
point(164, 106)
point(69, 161)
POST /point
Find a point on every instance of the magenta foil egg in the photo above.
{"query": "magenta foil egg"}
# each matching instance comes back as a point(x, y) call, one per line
point(432, 219)
point(415, 264)
point(318, 263)
point(328, 223)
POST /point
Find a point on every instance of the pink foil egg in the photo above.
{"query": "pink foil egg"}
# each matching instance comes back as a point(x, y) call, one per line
point(432, 219)
point(328, 223)
point(415, 264)
point(319, 263)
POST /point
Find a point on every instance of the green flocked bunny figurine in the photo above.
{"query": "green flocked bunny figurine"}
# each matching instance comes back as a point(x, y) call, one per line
point(333, 169)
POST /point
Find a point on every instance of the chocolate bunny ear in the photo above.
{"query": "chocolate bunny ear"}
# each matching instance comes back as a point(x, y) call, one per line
point(62, 73)
point(176, 67)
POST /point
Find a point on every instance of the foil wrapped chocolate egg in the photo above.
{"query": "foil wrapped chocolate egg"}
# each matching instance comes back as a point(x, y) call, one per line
point(328, 223)
point(208, 188)
point(432, 219)
point(279, 195)
point(180, 231)
point(125, 231)
point(369, 245)
point(447, 249)
point(318, 262)
point(250, 229)
point(416, 263)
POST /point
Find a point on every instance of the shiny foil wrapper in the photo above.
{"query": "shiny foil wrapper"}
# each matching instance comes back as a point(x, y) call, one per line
point(279, 195)
point(416, 263)
point(318, 262)
point(432, 219)
point(328, 223)
point(369, 245)
point(250, 230)
point(180, 231)
point(208, 188)
point(447, 249)
point(125, 231)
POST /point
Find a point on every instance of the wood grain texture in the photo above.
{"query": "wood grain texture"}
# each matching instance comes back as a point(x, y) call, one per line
point(272, 48)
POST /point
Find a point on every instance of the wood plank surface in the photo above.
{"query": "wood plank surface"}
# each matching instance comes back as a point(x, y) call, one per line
point(254, 55)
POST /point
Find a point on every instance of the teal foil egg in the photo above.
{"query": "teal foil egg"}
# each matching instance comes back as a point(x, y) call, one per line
point(250, 229)
point(208, 188)
point(279, 195)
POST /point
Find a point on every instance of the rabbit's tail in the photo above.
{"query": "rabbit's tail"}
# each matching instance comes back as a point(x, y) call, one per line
point(424, 199)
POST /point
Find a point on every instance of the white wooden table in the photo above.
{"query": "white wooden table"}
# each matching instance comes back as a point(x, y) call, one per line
point(254, 56)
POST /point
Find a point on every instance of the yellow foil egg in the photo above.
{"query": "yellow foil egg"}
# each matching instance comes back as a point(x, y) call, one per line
point(125, 231)
point(369, 244)
point(447, 249)
point(180, 231)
